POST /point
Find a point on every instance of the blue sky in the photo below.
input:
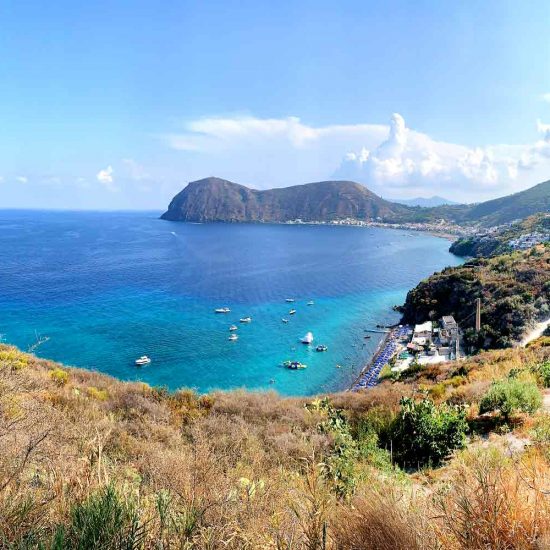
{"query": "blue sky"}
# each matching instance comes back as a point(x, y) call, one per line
point(120, 104)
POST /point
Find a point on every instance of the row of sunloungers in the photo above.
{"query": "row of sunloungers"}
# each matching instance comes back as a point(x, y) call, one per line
point(370, 377)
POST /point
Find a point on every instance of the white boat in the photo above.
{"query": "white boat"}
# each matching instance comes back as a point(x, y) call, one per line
point(292, 312)
point(311, 303)
point(143, 360)
point(233, 337)
point(290, 300)
point(284, 320)
point(233, 327)
point(308, 338)
point(222, 310)
point(245, 320)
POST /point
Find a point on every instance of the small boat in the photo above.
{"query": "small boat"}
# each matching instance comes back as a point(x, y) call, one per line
point(311, 303)
point(233, 337)
point(321, 347)
point(284, 320)
point(143, 360)
point(290, 300)
point(245, 320)
point(222, 310)
point(233, 327)
point(366, 337)
point(292, 312)
point(308, 338)
point(294, 365)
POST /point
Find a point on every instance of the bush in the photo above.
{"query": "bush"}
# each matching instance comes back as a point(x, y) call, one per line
point(543, 372)
point(423, 433)
point(95, 393)
point(59, 376)
point(103, 521)
point(511, 396)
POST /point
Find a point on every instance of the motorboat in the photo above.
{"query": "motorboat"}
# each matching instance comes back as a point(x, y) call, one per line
point(222, 310)
point(308, 338)
point(284, 320)
point(290, 300)
point(294, 365)
point(143, 360)
point(292, 312)
point(233, 327)
point(321, 347)
point(311, 303)
point(245, 320)
point(233, 337)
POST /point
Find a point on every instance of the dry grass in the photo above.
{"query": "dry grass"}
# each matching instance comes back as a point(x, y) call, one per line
point(242, 470)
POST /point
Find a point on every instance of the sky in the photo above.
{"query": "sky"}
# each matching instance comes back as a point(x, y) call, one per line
point(119, 104)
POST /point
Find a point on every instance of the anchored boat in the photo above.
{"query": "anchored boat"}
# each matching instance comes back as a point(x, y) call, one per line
point(222, 310)
point(143, 360)
point(308, 338)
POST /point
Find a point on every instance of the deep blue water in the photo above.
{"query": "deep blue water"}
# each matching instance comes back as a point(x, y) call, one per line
point(109, 287)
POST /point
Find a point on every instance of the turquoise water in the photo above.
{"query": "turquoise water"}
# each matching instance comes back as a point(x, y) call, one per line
point(106, 288)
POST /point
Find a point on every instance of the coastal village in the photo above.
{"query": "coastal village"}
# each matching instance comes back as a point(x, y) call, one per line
point(404, 346)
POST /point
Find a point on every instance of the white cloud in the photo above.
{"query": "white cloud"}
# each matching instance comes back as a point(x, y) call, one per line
point(393, 160)
point(545, 97)
point(408, 163)
point(106, 178)
point(22, 179)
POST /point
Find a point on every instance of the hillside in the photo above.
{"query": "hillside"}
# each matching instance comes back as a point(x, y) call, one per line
point(215, 199)
point(514, 290)
point(533, 228)
point(87, 461)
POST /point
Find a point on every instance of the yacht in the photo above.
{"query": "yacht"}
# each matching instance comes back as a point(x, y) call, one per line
point(143, 360)
point(233, 337)
point(294, 365)
point(246, 320)
point(321, 347)
point(290, 300)
point(222, 310)
point(311, 303)
point(284, 320)
point(233, 327)
point(308, 338)
point(292, 312)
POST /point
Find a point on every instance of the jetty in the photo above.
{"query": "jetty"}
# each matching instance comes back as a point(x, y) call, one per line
point(384, 352)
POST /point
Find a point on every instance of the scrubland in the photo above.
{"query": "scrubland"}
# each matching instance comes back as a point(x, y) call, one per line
point(453, 456)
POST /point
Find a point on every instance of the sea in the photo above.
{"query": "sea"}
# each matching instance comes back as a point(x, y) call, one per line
point(100, 289)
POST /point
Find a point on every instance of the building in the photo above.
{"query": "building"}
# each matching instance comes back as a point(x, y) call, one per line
point(422, 333)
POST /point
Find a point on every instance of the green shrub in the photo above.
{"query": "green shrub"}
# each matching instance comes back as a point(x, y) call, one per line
point(103, 521)
point(95, 393)
point(543, 372)
point(511, 396)
point(59, 376)
point(424, 433)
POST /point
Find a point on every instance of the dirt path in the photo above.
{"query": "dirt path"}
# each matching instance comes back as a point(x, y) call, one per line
point(536, 332)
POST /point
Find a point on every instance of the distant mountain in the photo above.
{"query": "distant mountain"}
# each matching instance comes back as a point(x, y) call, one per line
point(425, 201)
point(215, 199)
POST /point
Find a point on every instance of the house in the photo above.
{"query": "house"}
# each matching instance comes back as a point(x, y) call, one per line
point(448, 334)
point(422, 334)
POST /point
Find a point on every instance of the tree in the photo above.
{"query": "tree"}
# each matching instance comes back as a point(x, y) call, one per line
point(424, 433)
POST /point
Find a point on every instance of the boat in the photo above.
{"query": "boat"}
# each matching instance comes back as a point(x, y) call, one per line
point(284, 320)
point(292, 312)
point(233, 327)
point(321, 347)
point(222, 310)
point(245, 320)
point(294, 365)
point(290, 300)
point(311, 303)
point(233, 337)
point(366, 337)
point(308, 338)
point(143, 360)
